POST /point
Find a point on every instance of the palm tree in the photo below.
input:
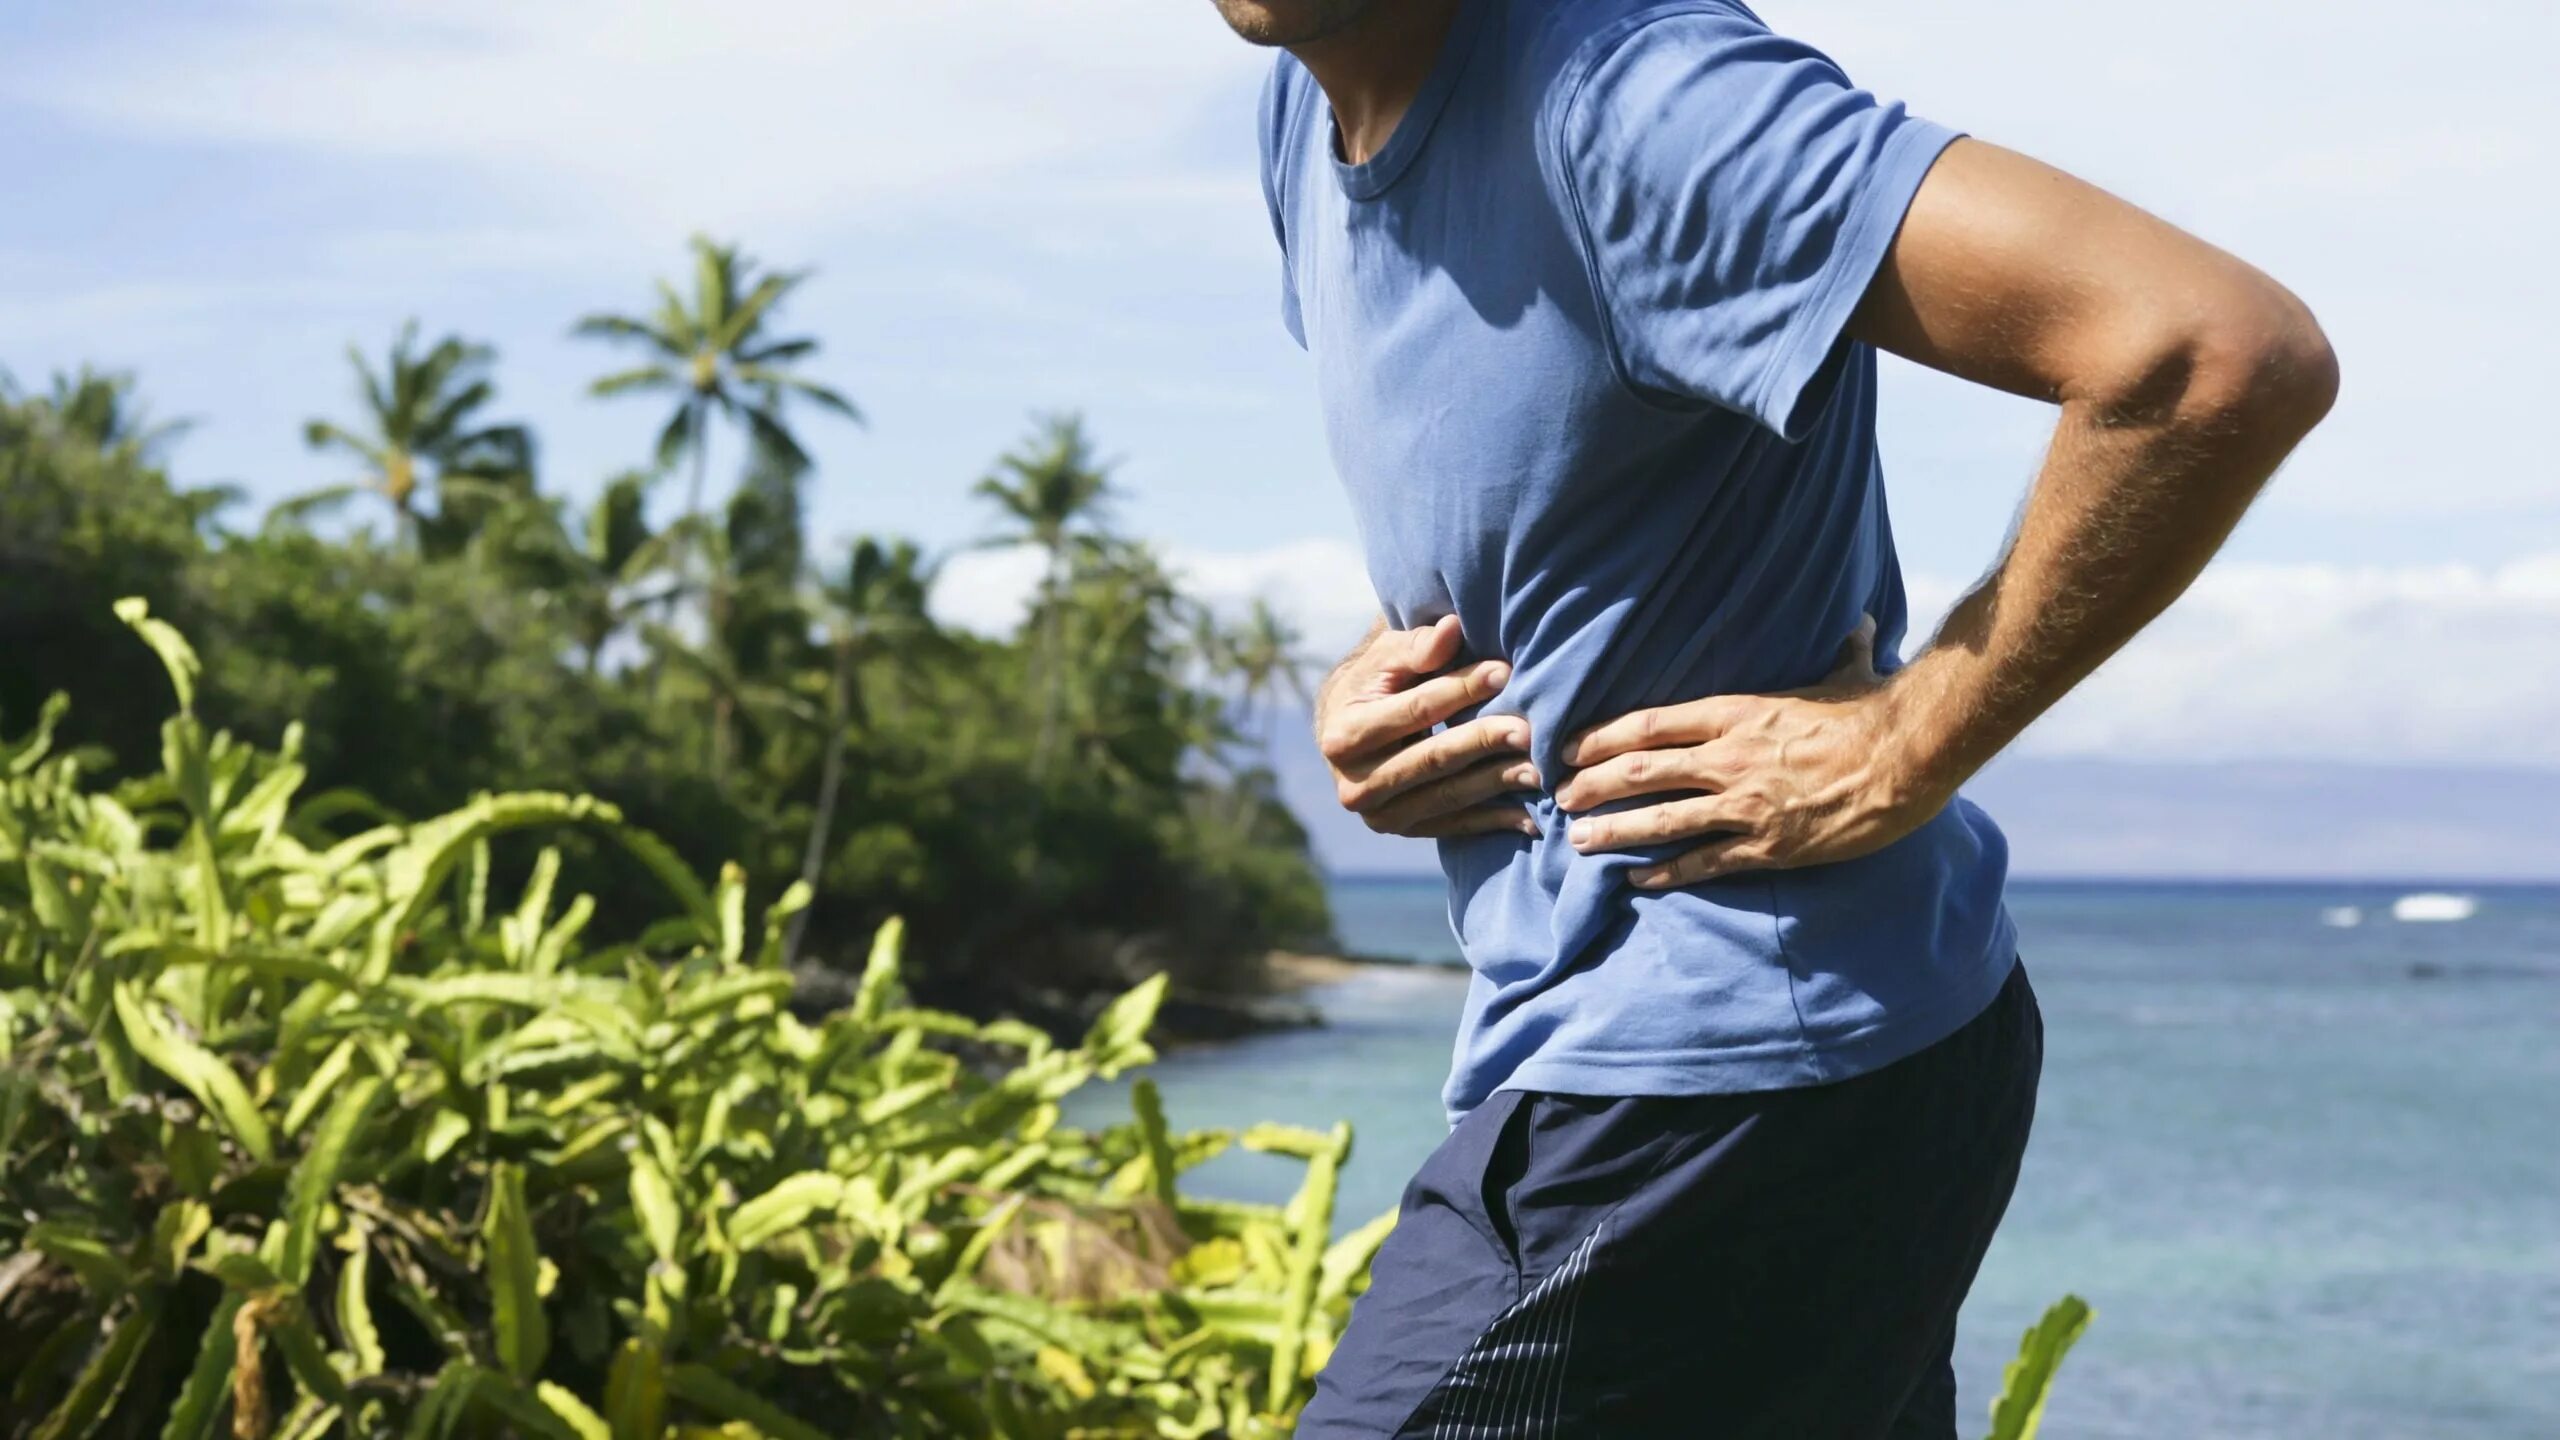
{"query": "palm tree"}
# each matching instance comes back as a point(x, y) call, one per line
point(1259, 656)
point(1260, 653)
point(422, 432)
point(875, 610)
point(598, 570)
point(1055, 492)
point(712, 353)
point(100, 408)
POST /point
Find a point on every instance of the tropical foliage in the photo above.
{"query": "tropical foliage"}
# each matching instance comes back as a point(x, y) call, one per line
point(305, 1133)
point(422, 439)
point(1057, 813)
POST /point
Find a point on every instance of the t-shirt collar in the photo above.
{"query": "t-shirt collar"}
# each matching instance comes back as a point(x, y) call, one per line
point(1368, 179)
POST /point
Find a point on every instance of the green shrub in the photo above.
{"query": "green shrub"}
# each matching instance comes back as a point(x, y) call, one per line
point(304, 1135)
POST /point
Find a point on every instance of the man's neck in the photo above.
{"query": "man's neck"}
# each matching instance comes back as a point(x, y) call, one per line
point(1372, 68)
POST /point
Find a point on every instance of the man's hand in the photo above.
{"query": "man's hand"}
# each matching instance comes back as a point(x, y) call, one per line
point(1797, 778)
point(1373, 724)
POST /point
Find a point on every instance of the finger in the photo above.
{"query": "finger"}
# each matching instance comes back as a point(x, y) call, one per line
point(1364, 784)
point(1430, 648)
point(1654, 824)
point(1638, 772)
point(1717, 857)
point(1493, 818)
point(1656, 729)
point(1467, 788)
point(1360, 726)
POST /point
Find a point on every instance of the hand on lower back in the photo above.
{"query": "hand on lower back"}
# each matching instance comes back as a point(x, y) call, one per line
point(1803, 777)
point(1374, 722)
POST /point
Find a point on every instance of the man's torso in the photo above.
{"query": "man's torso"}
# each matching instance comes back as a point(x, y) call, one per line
point(1622, 547)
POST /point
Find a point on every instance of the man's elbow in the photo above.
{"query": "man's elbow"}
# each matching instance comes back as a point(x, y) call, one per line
point(2257, 367)
point(2239, 361)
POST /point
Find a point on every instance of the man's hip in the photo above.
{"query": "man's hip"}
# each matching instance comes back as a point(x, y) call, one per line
point(1782, 1263)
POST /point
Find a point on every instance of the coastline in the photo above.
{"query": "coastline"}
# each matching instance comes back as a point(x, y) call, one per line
point(1290, 981)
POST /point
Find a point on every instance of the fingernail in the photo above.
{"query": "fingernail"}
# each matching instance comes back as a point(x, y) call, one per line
point(1526, 775)
point(1497, 674)
point(1581, 832)
point(1647, 878)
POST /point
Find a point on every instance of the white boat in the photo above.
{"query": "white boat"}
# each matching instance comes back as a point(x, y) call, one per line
point(2433, 905)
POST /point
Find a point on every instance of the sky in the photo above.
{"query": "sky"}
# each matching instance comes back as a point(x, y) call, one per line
point(1011, 208)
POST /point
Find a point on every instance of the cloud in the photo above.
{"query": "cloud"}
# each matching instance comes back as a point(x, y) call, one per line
point(1318, 585)
point(2435, 663)
point(670, 114)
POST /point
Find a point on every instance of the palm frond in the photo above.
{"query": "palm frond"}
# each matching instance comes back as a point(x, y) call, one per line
point(741, 323)
point(644, 377)
point(322, 435)
point(298, 508)
point(781, 382)
point(677, 434)
point(624, 327)
point(778, 352)
point(774, 438)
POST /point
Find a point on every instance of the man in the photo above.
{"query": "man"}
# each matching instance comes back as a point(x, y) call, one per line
point(1594, 290)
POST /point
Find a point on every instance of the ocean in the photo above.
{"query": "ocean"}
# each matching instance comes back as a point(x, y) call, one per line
point(2302, 1156)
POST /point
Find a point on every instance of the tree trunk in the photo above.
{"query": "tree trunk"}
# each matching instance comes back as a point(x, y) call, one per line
point(822, 820)
point(1053, 641)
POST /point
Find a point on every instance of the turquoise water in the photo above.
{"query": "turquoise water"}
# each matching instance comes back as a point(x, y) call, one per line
point(2309, 1174)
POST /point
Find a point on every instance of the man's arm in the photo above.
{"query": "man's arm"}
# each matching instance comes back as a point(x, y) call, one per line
point(2184, 378)
point(1374, 716)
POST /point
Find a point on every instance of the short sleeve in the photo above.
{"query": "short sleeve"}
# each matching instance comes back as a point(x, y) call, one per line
point(1274, 129)
point(1735, 194)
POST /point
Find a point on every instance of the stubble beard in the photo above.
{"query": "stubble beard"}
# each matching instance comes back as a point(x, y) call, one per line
point(1290, 22)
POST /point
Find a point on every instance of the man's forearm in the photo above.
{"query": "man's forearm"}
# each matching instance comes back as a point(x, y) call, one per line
point(2141, 486)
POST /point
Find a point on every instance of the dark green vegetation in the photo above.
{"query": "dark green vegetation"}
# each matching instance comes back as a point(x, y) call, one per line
point(306, 1133)
point(1056, 815)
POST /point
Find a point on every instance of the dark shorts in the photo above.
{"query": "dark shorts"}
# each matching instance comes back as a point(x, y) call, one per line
point(1785, 1264)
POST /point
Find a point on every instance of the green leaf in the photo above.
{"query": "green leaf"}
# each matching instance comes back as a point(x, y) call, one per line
point(573, 1412)
point(707, 1389)
point(2019, 1412)
point(323, 1083)
point(879, 983)
point(653, 1200)
point(176, 655)
point(355, 1311)
point(203, 1075)
point(783, 1208)
point(635, 1392)
point(101, 1267)
point(515, 1276)
point(316, 1178)
point(1313, 1210)
point(202, 1397)
point(1155, 1144)
point(732, 900)
point(1118, 1038)
point(103, 1379)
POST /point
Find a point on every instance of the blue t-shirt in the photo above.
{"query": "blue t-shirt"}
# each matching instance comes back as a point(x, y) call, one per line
point(1578, 334)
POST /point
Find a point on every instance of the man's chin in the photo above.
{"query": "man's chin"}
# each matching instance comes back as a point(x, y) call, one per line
point(1281, 23)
